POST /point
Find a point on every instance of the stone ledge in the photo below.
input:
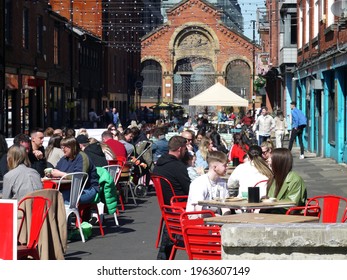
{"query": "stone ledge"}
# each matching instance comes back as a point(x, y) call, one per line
point(284, 241)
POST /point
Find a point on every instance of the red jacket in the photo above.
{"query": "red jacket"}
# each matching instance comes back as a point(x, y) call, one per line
point(237, 152)
point(117, 147)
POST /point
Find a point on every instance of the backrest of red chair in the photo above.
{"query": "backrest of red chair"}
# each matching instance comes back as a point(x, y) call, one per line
point(158, 186)
point(333, 207)
point(261, 182)
point(119, 160)
point(202, 242)
point(195, 217)
point(171, 215)
point(35, 210)
point(47, 184)
point(179, 200)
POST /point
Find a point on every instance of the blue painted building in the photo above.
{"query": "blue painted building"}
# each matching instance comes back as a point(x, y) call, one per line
point(320, 91)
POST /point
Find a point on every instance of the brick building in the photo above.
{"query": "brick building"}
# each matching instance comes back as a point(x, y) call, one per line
point(307, 45)
point(192, 51)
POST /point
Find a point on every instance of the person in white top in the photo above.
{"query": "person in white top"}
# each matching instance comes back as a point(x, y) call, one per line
point(209, 186)
point(248, 174)
point(265, 124)
point(280, 128)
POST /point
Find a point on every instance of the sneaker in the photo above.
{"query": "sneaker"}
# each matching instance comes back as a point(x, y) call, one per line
point(301, 157)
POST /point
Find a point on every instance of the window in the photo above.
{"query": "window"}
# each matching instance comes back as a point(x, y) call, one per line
point(152, 80)
point(331, 119)
point(8, 22)
point(300, 26)
point(307, 22)
point(25, 28)
point(56, 60)
point(293, 30)
point(39, 32)
point(331, 17)
point(315, 21)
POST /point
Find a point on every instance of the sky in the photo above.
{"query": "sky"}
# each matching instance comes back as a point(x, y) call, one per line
point(249, 12)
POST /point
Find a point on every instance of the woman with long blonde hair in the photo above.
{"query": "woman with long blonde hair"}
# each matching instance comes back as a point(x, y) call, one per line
point(206, 146)
point(20, 179)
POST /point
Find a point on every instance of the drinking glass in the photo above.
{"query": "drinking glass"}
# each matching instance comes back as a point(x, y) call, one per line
point(222, 187)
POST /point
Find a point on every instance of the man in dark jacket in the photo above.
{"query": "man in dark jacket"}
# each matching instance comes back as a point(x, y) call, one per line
point(172, 168)
point(93, 151)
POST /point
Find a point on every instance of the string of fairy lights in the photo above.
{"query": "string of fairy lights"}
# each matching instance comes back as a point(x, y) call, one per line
point(123, 23)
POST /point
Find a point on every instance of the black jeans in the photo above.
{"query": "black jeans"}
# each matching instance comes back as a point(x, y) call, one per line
point(263, 139)
point(297, 133)
point(165, 245)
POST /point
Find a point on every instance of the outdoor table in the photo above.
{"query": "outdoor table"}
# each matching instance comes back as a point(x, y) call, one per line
point(255, 218)
point(243, 204)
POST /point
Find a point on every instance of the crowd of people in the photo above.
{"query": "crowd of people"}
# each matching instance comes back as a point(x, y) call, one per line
point(194, 160)
point(200, 164)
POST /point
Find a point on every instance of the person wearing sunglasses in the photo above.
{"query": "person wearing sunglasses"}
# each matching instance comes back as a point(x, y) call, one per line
point(189, 135)
point(267, 148)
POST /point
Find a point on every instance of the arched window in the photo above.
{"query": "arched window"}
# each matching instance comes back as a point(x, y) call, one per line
point(238, 77)
point(152, 80)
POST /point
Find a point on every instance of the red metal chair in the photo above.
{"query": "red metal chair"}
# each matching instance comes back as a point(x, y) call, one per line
point(201, 242)
point(48, 184)
point(195, 217)
point(171, 216)
point(261, 182)
point(34, 210)
point(157, 183)
point(329, 208)
point(179, 201)
point(119, 160)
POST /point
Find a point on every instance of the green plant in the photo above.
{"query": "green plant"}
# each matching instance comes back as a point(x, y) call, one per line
point(259, 83)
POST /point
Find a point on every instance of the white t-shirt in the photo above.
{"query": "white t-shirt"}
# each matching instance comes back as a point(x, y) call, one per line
point(202, 188)
point(247, 175)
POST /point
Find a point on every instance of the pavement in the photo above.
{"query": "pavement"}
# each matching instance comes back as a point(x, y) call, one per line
point(135, 238)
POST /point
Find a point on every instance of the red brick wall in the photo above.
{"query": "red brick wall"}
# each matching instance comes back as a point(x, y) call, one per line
point(326, 40)
point(86, 14)
point(230, 44)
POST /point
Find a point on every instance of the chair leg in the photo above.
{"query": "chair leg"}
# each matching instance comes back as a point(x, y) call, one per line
point(173, 252)
point(159, 232)
point(100, 224)
point(121, 198)
point(78, 221)
point(131, 186)
point(116, 219)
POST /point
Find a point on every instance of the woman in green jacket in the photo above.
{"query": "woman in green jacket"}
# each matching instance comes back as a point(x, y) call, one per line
point(286, 184)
